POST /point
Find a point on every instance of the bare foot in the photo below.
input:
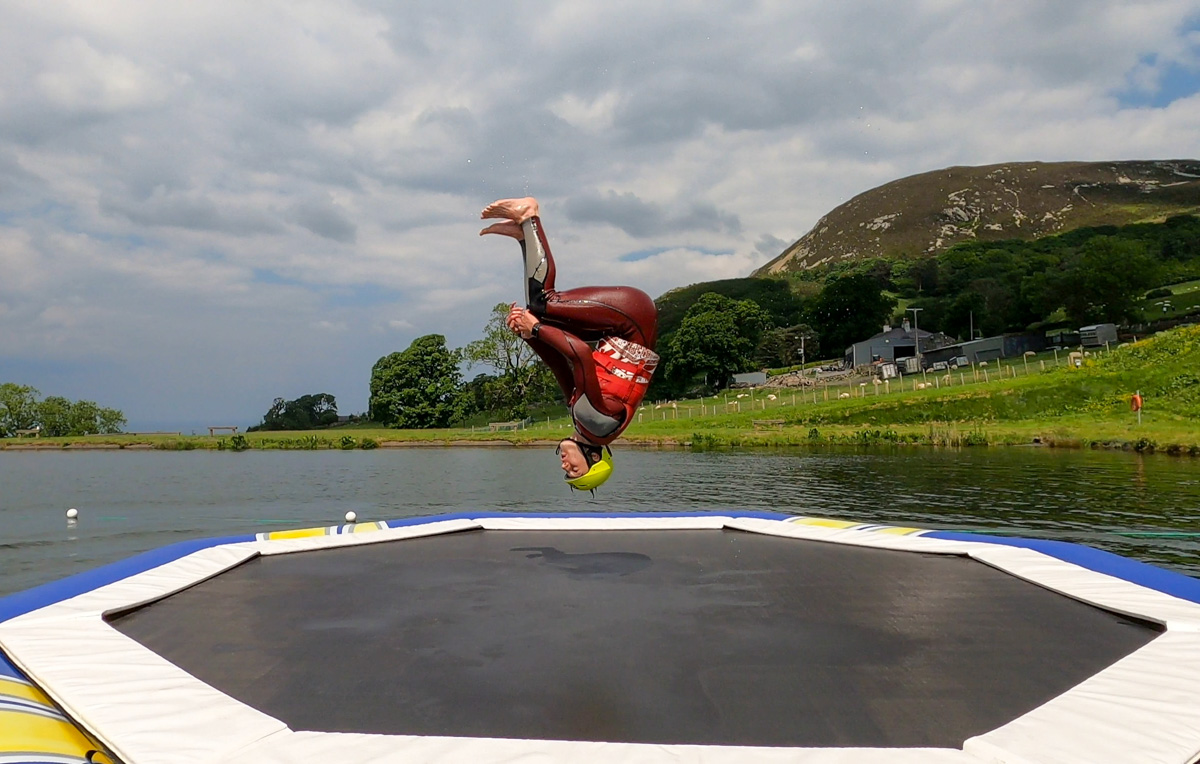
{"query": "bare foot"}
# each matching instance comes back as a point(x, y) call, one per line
point(516, 210)
point(507, 228)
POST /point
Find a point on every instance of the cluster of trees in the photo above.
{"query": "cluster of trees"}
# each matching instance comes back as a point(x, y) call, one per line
point(23, 408)
point(720, 336)
point(1090, 274)
point(307, 412)
point(422, 386)
point(417, 387)
point(709, 332)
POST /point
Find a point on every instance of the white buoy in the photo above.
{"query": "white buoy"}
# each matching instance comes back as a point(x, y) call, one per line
point(351, 517)
point(72, 513)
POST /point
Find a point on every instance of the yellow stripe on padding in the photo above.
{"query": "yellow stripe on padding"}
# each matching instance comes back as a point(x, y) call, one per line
point(897, 531)
point(31, 733)
point(301, 533)
point(367, 527)
point(11, 689)
point(822, 522)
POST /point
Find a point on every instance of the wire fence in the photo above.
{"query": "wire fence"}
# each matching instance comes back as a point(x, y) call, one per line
point(765, 398)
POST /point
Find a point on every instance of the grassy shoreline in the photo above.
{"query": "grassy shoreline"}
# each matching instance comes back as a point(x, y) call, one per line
point(809, 427)
point(1027, 403)
point(1148, 438)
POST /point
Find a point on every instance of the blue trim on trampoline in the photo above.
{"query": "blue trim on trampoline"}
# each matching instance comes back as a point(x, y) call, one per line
point(1124, 568)
point(56, 591)
point(1143, 574)
point(409, 521)
point(9, 671)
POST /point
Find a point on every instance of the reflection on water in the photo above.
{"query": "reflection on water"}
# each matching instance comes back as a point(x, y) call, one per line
point(1147, 507)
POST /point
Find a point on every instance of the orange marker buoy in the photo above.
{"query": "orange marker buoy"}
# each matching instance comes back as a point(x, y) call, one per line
point(1135, 403)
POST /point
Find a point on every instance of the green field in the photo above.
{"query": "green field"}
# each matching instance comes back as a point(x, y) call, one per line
point(1184, 300)
point(1040, 400)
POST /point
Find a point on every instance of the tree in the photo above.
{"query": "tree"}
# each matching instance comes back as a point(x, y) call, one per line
point(417, 387)
point(60, 416)
point(18, 408)
point(964, 316)
point(110, 420)
point(848, 310)
point(783, 346)
point(304, 413)
point(521, 378)
point(773, 295)
point(718, 337)
point(1105, 279)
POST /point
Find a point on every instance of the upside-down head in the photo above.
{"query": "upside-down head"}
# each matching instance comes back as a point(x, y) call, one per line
point(586, 466)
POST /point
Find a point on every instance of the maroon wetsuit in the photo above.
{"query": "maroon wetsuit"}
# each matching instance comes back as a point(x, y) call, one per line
point(604, 386)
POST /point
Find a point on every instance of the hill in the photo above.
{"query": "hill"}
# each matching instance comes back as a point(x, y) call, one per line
point(927, 213)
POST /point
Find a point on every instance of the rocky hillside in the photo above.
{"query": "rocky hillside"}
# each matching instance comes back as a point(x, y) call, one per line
point(926, 213)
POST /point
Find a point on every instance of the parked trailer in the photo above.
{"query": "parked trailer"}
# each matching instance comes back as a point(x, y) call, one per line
point(1097, 335)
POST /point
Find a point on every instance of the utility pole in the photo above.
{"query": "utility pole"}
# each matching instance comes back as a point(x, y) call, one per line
point(916, 337)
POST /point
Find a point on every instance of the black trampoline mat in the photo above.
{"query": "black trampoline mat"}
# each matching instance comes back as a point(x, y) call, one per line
point(706, 637)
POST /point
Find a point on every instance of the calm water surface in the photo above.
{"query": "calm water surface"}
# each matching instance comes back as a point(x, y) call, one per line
point(1147, 507)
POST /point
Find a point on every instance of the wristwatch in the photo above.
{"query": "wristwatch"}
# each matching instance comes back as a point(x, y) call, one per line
point(534, 331)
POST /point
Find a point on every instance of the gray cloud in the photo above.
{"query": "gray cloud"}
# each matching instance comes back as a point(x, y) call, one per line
point(195, 212)
point(324, 219)
point(643, 219)
point(770, 245)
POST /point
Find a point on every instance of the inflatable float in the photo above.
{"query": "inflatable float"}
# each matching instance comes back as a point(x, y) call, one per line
point(717, 637)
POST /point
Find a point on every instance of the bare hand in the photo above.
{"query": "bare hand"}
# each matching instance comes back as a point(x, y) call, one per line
point(521, 321)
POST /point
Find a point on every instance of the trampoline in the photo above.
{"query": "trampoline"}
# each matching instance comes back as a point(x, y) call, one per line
point(730, 637)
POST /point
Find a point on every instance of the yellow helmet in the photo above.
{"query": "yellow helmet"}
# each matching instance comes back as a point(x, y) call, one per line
point(596, 475)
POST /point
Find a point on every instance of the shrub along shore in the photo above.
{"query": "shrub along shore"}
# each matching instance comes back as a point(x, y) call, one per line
point(1034, 404)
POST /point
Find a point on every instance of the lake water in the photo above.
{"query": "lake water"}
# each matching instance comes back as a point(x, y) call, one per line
point(1146, 507)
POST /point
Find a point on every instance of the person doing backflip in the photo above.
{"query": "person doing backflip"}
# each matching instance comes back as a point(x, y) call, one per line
point(603, 386)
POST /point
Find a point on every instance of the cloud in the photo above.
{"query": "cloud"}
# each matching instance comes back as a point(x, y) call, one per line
point(642, 219)
point(324, 219)
point(193, 211)
point(769, 245)
point(292, 191)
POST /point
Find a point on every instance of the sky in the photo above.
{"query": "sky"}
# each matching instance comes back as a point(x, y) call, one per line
point(206, 206)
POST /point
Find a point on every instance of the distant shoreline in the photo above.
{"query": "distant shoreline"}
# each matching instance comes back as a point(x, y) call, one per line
point(1150, 437)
